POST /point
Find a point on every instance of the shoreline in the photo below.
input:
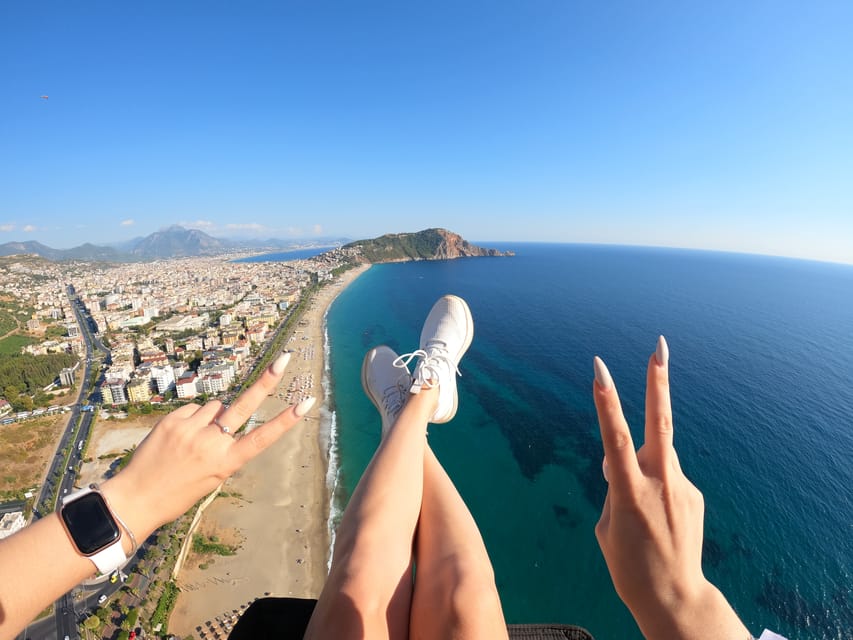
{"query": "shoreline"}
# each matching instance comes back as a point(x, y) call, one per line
point(276, 510)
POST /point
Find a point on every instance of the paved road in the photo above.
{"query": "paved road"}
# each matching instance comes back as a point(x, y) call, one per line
point(64, 475)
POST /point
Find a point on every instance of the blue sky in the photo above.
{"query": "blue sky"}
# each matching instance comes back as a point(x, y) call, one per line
point(725, 125)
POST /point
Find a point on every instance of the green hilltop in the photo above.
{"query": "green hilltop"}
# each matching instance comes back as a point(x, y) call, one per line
point(429, 244)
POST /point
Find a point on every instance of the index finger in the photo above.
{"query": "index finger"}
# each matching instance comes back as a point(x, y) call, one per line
point(618, 445)
point(658, 438)
point(246, 403)
point(259, 439)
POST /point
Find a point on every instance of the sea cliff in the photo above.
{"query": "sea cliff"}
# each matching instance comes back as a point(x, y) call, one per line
point(429, 244)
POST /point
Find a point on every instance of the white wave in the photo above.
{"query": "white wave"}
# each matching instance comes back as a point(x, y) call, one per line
point(329, 444)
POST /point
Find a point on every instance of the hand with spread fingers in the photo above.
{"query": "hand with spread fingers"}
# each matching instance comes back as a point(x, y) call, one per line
point(192, 450)
point(651, 526)
point(185, 457)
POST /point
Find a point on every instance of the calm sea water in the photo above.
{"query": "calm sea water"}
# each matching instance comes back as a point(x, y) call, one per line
point(762, 383)
point(286, 256)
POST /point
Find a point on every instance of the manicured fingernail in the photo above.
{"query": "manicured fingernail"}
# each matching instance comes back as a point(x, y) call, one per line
point(279, 364)
point(604, 469)
point(303, 407)
point(602, 375)
point(662, 352)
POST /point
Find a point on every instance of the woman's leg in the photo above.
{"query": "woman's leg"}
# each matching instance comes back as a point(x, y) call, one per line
point(455, 594)
point(369, 588)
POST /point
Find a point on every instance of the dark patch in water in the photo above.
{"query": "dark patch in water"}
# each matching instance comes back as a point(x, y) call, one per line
point(715, 552)
point(712, 552)
point(566, 517)
point(594, 486)
point(559, 436)
point(740, 546)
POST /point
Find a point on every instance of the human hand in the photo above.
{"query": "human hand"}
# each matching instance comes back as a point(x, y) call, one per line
point(651, 526)
point(187, 455)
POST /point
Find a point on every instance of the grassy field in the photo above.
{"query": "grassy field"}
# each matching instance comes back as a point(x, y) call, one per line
point(11, 345)
point(25, 448)
point(7, 323)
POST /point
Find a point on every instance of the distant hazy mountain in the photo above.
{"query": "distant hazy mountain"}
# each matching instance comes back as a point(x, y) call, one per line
point(91, 252)
point(30, 247)
point(176, 242)
point(429, 244)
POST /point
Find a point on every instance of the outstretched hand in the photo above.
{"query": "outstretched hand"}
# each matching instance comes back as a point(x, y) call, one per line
point(189, 453)
point(651, 526)
point(186, 455)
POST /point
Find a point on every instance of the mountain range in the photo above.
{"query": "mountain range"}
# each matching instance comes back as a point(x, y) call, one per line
point(172, 242)
point(179, 242)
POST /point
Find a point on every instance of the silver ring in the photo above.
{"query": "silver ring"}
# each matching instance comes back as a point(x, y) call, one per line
point(221, 426)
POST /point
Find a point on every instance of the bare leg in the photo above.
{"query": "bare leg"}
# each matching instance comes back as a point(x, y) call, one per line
point(455, 594)
point(369, 590)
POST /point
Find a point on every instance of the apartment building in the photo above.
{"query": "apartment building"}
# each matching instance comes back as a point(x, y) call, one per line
point(163, 378)
point(213, 384)
point(186, 386)
point(138, 390)
point(113, 391)
point(11, 522)
point(66, 376)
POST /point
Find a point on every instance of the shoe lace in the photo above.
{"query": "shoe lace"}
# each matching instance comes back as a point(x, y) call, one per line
point(428, 369)
point(393, 397)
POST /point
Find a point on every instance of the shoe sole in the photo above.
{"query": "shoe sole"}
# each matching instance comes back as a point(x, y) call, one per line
point(365, 366)
point(469, 337)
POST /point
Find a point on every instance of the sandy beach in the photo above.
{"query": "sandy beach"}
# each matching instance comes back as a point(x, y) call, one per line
point(276, 508)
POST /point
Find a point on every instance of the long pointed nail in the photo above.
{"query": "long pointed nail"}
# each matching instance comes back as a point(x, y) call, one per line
point(662, 352)
point(602, 375)
point(280, 363)
point(304, 407)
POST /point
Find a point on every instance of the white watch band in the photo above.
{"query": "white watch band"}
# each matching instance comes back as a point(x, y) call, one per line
point(109, 558)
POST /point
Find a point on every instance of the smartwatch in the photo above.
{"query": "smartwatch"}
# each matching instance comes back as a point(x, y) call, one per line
point(93, 528)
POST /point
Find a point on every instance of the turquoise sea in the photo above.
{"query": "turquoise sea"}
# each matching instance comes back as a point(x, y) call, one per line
point(762, 384)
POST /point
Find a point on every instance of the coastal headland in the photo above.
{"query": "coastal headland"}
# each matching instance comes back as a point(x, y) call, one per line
point(274, 510)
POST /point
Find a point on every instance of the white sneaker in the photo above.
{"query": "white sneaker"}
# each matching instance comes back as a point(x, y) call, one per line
point(446, 336)
point(386, 385)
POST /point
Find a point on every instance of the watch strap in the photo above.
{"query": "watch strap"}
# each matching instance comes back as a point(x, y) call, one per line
point(110, 558)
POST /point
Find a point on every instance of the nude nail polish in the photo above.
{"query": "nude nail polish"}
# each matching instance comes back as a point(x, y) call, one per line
point(279, 364)
point(662, 352)
point(304, 407)
point(602, 375)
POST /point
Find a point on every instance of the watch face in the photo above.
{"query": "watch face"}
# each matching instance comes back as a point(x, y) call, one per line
point(90, 523)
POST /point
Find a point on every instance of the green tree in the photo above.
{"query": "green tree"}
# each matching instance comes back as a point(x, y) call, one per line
point(92, 623)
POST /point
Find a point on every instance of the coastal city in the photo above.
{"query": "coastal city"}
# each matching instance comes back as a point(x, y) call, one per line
point(426, 319)
point(123, 344)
